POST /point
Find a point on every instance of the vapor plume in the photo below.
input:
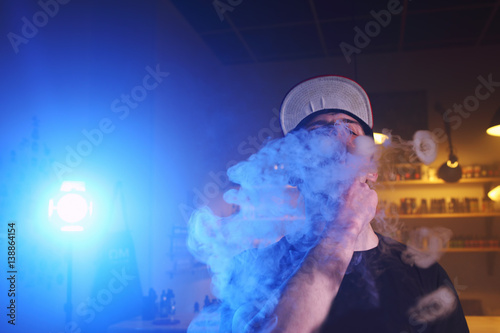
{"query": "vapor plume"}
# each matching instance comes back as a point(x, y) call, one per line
point(288, 189)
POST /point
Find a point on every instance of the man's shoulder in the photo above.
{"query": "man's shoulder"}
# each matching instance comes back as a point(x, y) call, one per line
point(423, 266)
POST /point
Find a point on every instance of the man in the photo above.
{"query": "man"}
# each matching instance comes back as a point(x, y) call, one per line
point(351, 279)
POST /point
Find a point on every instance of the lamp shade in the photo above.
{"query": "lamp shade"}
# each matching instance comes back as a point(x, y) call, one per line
point(494, 193)
point(450, 171)
point(494, 128)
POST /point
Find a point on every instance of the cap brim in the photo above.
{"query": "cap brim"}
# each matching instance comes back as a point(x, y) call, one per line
point(324, 92)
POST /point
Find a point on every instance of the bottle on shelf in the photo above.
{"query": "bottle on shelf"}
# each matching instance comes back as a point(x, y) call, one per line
point(171, 305)
point(423, 209)
point(163, 305)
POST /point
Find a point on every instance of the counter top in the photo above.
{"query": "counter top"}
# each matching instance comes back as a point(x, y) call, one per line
point(483, 324)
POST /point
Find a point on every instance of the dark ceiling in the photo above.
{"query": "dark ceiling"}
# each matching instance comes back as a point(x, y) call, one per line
point(246, 31)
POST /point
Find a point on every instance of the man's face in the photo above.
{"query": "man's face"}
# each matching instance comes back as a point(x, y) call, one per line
point(352, 125)
point(331, 119)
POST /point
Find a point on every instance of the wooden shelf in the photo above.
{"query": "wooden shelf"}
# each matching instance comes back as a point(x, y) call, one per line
point(473, 249)
point(457, 249)
point(473, 187)
point(444, 216)
point(441, 182)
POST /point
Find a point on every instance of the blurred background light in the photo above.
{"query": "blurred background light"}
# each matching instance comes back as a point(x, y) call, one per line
point(494, 194)
point(379, 138)
point(494, 128)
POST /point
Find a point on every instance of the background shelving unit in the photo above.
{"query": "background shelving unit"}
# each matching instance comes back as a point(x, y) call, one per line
point(483, 222)
point(479, 180)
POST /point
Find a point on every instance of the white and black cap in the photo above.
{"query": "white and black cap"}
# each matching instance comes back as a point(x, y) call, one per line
point(323, 94)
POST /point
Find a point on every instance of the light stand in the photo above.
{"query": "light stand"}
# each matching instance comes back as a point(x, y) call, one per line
point(74, 210)
point(68, 307)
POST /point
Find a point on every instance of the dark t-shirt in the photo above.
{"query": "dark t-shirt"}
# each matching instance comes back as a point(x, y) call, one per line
point(375, 294)
point(379, 289)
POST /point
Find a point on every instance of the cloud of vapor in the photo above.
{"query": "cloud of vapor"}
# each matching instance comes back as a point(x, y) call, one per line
point(426, 246)
point(306, 171)
point(399, 156)
point(433, 306)
point(287, 191)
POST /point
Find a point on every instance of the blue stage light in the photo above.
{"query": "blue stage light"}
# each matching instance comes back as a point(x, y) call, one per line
point(73, 207)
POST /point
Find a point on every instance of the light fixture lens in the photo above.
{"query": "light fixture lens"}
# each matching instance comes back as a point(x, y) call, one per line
point(379, 138)
point(494, 194)
point(72, 208)
point(494, 130)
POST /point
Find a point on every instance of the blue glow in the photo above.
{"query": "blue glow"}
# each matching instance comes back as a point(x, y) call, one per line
point(71, 185)
point(59, 124)
point(72, 228)
point(51, 207)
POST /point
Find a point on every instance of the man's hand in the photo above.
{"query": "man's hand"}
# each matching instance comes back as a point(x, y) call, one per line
point(309, 294)
point(360, 204)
